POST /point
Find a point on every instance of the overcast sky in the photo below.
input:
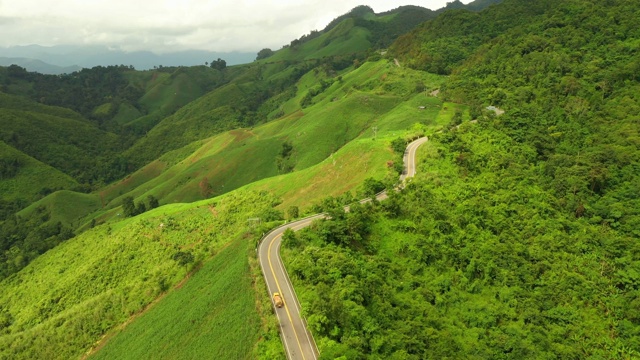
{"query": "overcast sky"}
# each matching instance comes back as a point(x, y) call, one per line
point(170, 25)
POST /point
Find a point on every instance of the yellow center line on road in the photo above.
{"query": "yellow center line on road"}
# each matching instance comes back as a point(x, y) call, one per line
point(411, 165)
point(295, 332)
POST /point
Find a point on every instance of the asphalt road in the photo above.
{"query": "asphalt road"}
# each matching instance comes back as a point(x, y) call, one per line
point(297, 339)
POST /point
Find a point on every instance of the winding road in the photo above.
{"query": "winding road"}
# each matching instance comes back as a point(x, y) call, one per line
point(297, 339)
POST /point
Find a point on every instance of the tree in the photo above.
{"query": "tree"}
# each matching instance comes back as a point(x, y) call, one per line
point(293, 212)
point(456, 119)
point(128, 206)
point(219, 64)
point(153, 202)
point(283, 160)
point(140, 208)
point(183, 258)
point(289, 238)
point(372, 186)
point(264, 53)
point(398, 145)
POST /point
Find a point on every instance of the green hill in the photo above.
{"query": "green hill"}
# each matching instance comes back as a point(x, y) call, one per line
point(164, 92)
point(64, 301)
point(67, 207)
point(59, 138)
point(441, 45)
point(518, 238)
point(233, 159)
point(26, 178)
point(94, 305)
point(362, 29)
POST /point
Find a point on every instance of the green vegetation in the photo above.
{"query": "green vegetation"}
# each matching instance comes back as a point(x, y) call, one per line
point(518, 238)
point(361, 30)
point(160, 253)
point(59, 138)
point(23, 179)
point(213, 313)
point(24, 239)
point(488, 265)
point(340, 114)
point(64, 301)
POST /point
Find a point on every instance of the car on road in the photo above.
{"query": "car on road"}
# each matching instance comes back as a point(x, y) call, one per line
point(277, 300)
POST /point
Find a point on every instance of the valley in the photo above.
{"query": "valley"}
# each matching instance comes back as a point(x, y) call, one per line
point(132, 203)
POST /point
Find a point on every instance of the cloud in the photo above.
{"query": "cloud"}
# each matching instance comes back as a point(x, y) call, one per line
point(168, 25)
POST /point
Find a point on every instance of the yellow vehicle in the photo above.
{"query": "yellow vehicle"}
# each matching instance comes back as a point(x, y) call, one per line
point(277, 299)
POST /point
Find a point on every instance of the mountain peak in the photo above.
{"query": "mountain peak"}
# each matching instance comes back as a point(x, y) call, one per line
point(361, 11)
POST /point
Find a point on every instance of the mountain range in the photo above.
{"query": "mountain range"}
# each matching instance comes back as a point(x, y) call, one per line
point(68, 58)
point(132, 201)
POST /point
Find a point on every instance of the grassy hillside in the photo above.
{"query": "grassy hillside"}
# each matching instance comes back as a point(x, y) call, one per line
point(65, 300)
point(84, 288)
point(361, 29)
point(365, 157)
point(311, 128)
point(346, 107)
point(217, 316)
point(344, 39)
point(164, 92)
point(25, 178)
point(343, 111)
point(58, 137)
point(67, 207)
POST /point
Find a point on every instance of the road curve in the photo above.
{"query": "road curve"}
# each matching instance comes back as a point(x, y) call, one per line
point(297, 339)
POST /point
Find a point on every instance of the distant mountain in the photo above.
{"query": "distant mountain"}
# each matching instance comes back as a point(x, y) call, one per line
point(72, 57)
point(383, 28)
point(34, 65)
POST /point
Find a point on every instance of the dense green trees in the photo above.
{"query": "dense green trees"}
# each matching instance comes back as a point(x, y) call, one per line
point(24, 239)
point(81, 91)
point(264, 53)
point(218, 64)
point(475, 259)
point(130, 208)
point(519, 237)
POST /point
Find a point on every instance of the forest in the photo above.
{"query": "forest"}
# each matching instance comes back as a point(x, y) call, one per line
point(519, 237)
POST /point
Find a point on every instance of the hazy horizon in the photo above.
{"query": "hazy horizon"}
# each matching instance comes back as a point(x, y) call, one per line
point(172, 25)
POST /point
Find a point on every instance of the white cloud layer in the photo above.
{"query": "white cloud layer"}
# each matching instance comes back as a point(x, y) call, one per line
point(171, 25)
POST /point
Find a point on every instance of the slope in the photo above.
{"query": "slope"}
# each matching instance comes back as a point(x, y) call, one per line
point(213, 322)
point(363, 30)
point(23, 178)
point(57, 137)
point(233, 159)
point(255, 92)
point(519, 237)
point(68, 298)
point(65, 300)
point(165, 91)
point(440, 45)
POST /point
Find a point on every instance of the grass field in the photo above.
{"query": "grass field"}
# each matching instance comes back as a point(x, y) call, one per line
point(343, 39)
point(63, 302)
point(68, 207)
point(32, 178)
point(212, 313)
